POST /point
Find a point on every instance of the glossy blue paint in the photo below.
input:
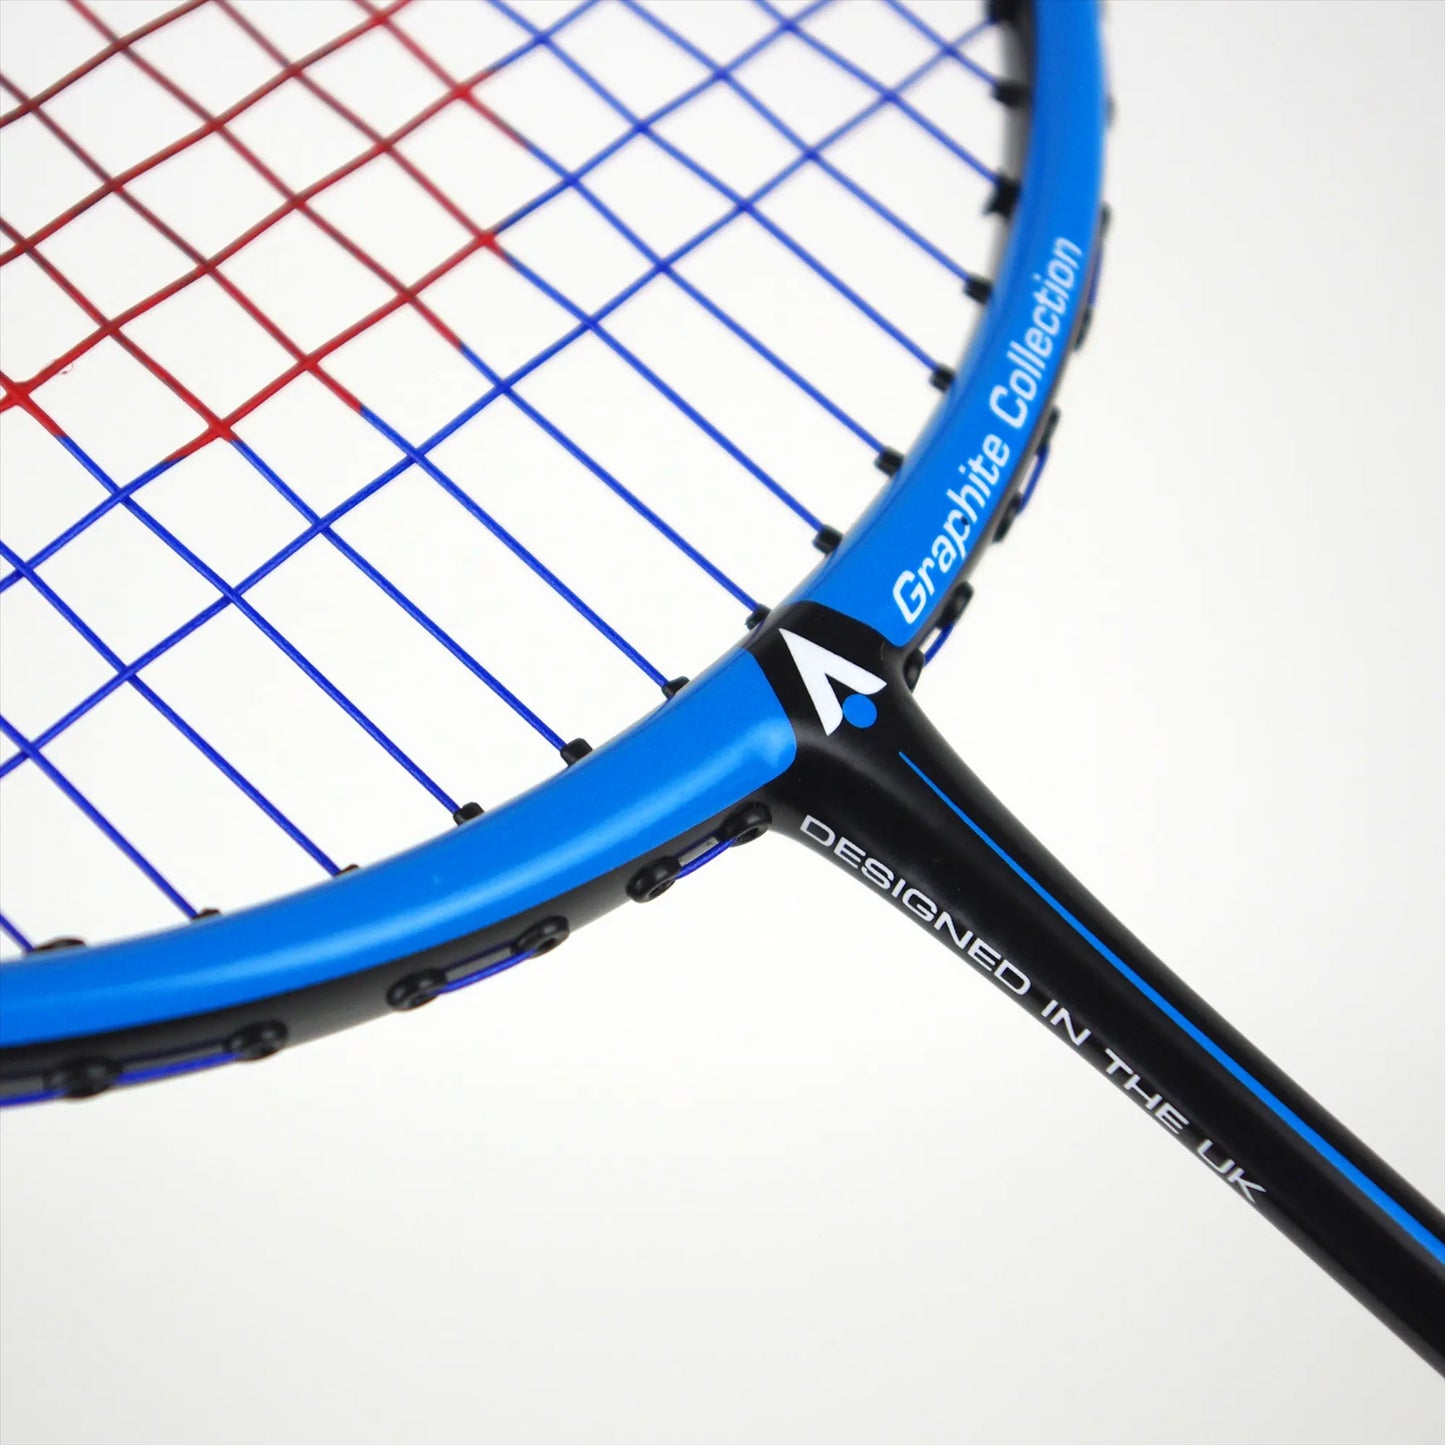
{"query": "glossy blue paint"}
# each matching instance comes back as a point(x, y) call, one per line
point(719, 740)
point(1059, 200)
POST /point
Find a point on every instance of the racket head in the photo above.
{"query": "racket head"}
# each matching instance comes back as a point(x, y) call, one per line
point(720, 1108)
point(679, 784)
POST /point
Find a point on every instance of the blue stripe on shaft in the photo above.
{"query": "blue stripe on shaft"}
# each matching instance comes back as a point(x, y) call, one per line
point(1327, 1151)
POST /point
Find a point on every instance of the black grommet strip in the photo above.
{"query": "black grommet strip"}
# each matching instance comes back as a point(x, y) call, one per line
point(674, 685)
point(1002, 12)
point(978, 288)
point(749, 822)
point(467, 812)
point(82, 1079)
point(52, 945)
point(756, 618)
point(575, 751)
point(654, 880)
point(941, 378)
point(204, 913)
point(1010, 516)
point(1004, 198)
point(953, 608)
point(543, 937)
point(1010, 93)
point(421, 987)
point(416, 989)
point(826, 539)
point(888, 461)
point(257, 1041)
point(913, 668)
point(86, 1077)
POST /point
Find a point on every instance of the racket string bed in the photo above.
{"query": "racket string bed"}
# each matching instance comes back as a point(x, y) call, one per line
point(267, 270)
point(300, 359)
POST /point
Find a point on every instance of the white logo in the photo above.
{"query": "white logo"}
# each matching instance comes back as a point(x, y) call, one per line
point(819, 668)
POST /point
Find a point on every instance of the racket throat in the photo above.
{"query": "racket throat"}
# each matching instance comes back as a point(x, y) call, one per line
point(878, 791)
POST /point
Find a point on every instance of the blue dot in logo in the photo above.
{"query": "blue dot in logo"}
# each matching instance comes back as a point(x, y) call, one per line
point(861, 711)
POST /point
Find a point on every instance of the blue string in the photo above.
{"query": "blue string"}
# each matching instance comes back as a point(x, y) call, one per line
point(939, 638)
point(703, 859)
point(723, 189)
point(513, 545)
point(521, 552)
point(96, 816)
point(121, 493)
point(88, 519)
point(807, 154)
point(171, 716)
point(1035, 473)
point(490, 971)
point(148, 1073)
point(696, 294)
point(401, 599)
point(44, 739)
point(826, 166)
point(685, 97)
point(588, 325)
point(542, 38)
point(892, 96)
point(606, 477)
point(40, 1096)
point(238, 601)
point(21, 941)
point(952, 49)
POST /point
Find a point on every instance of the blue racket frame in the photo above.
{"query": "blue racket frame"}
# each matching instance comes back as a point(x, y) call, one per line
point(719, 741)
point(760, 739)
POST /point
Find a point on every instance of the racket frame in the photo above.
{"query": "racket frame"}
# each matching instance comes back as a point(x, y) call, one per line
point(754, 742)
point(75, 1020)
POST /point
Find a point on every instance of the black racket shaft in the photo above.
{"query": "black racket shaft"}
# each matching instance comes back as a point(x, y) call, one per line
point(890, 802)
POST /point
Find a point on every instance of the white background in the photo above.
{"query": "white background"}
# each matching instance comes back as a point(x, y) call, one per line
point(756, 1165)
